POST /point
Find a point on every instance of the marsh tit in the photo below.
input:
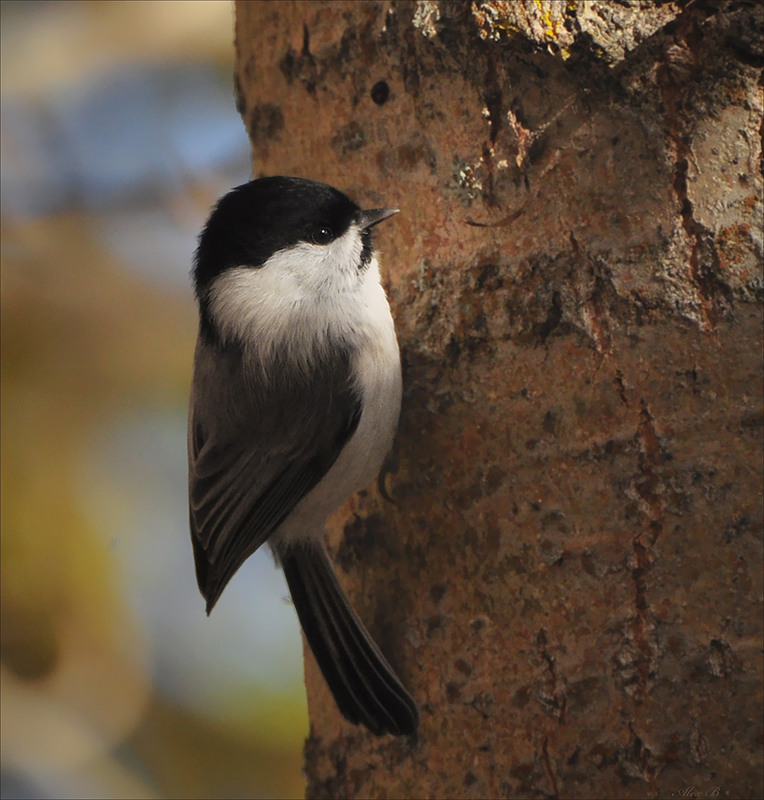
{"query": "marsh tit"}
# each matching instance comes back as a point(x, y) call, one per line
point(294, 404)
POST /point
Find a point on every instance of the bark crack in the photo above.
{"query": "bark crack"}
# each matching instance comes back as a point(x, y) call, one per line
point(621, 387)
point(552, 690)
point(494, 103)
point(639, 662)
point(703, 259)
point(637, 760)
point(650, 487)
point(548, 767)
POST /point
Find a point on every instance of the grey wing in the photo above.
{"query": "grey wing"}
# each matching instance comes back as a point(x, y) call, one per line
point(255, 452)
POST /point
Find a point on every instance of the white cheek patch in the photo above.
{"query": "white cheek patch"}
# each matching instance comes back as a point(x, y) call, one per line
point(298, 298)
point(322, 269)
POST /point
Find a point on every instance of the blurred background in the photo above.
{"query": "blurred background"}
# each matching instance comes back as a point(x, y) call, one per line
point(119, 131)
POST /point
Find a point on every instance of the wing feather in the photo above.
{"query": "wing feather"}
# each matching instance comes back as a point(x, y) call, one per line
point(256, 448)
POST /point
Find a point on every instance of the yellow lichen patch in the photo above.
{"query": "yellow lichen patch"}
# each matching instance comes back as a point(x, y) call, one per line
point(541, 21)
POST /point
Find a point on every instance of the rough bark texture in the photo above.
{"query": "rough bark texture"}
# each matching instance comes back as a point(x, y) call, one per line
point(570, 578)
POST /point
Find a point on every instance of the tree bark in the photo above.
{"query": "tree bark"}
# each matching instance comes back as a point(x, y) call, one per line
point(569, 581)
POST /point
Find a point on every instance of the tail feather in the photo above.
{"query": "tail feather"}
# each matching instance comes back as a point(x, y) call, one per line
point(364, 685)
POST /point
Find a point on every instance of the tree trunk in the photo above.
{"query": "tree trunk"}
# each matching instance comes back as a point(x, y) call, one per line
point(569, 581)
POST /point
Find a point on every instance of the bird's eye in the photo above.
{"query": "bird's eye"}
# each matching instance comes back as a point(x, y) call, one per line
point(320, 235)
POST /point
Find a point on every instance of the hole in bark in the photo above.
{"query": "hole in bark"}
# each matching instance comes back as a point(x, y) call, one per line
point(380, 92)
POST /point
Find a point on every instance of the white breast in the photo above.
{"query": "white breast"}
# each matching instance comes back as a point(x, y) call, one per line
point(377, 373)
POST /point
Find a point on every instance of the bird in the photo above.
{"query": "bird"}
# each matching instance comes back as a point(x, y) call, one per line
point(294, 404)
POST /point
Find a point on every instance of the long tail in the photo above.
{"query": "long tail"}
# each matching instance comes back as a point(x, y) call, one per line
point(364, 685)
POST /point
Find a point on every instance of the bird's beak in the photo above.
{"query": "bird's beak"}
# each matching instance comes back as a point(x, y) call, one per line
point(367, 219)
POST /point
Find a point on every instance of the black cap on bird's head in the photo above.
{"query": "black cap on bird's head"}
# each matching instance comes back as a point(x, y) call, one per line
point(259, 218)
